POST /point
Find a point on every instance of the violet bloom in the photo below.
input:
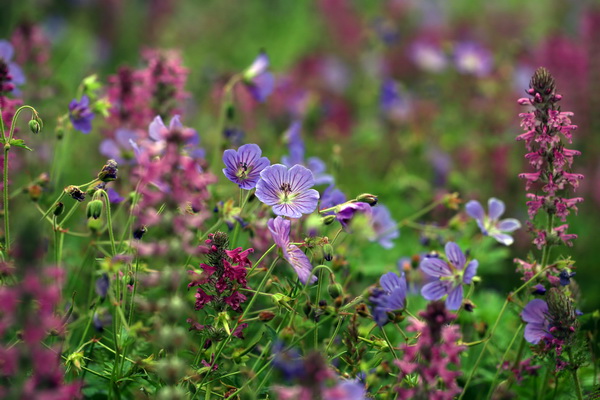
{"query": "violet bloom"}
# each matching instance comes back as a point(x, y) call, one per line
point(331, 197)
point(451, 276)
point(176, 132)
point(258, 79)
point(244, 165)
point(393, 101)
point(120, 148)
point(385, 229)
point(473, 59)
point(296, 155)
point(490, 224)
point(287, 191)
point(535, 314)
point(391, 297)
point(280, 231)
point(80, 114)
point(10, 73)
point(347, 211)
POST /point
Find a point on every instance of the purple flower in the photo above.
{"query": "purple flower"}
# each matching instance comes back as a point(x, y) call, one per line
point(176, 132)
point(280, 230)
point(10, 73)
point(394, 102)
point(535, 314)
point(287, 191)
point(384, 227)
point(120, 148)
point(428, 57)
point(80, 114)
point(451, 276)
point(114, 196)
point(244, 165)
point(296, 156)
point(473, 59)
point(346, 212)
point(490, 224)
point(389, 298)
point(258, 79)
point(331, 197)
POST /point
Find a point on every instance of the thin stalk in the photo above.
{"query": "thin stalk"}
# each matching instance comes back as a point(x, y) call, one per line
point(109, 221)
point(493, 385)
point(576, 381)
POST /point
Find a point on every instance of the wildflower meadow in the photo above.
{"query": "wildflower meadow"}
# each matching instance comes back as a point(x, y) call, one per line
point(298, 200)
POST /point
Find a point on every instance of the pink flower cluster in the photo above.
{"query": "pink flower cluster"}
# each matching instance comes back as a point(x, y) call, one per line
point(29, 306)
point(139, 95)
point(545, 129)
point(431, 357)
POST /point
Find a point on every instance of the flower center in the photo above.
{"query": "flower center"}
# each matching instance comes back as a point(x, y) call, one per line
point(243, 170)
point(286, 196)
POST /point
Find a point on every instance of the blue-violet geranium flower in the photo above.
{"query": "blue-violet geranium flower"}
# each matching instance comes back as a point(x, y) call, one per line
point(389, 298)
point(280, 230)
point(80, 114)
point(244, 166)
point(259, 80)
point(490, 224)
point(535, 314)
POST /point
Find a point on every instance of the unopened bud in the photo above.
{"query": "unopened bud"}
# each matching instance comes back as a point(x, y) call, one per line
point(328, 220)
point(75, 193)
point(266, 316)
point(368, 198)
point(35, 192)
point(34, 126)
point(327, 252)
point(58, 209)
point(109, 171)
point(94, 209)
point(334, 290)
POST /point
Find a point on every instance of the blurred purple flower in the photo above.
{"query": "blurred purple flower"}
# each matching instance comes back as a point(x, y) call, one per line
point(389, 298)
point(347, 211)
point(297, 153)
point(393, 101)
point(244, 166)
point(280, 231)
point(287, 191)
point(428, 56)
point(114, 196)
point(102, 284)
point(120, 148)
point(258, 79)
point(490, 224)
point(535, 314)
point(471, 58)
point(384, 227)
point(80, 114)
point(331, 197)
point(11, 74)
point(451, 276)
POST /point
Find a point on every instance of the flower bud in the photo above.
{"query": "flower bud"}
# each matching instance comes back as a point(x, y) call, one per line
point(58, 209)
point(334, 290)
point(34, 126)
point(109, 171)
point(35, 192)
point(75, 193)
point(94, 209)
point(327, 252)
point(328, 220)
point(368, 198)
point(139, 232)
point(266, 316)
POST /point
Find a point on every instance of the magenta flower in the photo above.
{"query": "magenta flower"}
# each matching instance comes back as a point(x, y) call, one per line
point(259, 79)
point(280, 230)
point(287, 191)
point(80, 114)
point(451, 276)
point(244, 165)
point(490, 224)
point(535, 314)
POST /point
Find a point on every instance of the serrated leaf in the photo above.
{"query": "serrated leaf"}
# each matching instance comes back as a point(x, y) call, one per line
point(19, 143)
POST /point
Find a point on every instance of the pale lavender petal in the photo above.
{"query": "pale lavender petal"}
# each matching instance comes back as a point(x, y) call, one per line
point(475, 210)
point(454, 299)
point(110, 149)
point(300, 263)
point(390, 281)
point(258, 66)
point(455, 255)
point(262, 86)
point(470, 271)
point(495, 208)
point(535, 332)
point(175, 123)
point(122, 136)
point(397, 298)
point(300, 178)
point(286, 210)
point(6, 50)
point(435, 267)
point(18, 77)
point(230, 160)
point(268, 187)
point(436, 290)
point(503, 238)
point(280, 231)
point(509, 225)
point(306, 202)
point(535, 312)
point(157, 126)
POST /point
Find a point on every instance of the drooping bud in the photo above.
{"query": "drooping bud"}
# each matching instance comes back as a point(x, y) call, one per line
point(328, 220)
point(328, 252)
point(94, 209)
point(334, 290)
point(58, 209)
point(34, 126)
point(109, 171)
point(368, 198)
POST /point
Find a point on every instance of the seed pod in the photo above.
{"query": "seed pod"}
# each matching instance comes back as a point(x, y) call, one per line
point(334, 290)
point(368, 198)
point(94, 209)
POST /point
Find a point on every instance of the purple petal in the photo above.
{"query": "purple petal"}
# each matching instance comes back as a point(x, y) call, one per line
point(122, 136)
point(436, 290)
point(175, 123)
point(6, 50)
point(114, 196)
point(280, 231)
point(535, 332)
point(495, 208)
point(271, 179)
point(475, 210)
point(287, 210)
point(262, 86)
point(300, 263)
point(258, 66)
point(157, 126)
point(535, 312)
point(18, 77)
point(390, 281)
point(85, 101)
point(470, 271)
point(509, 225)
point(306, 202)
point(455, 255)
point(300, 178)
point(503, 238)
point(435, 267)
point(397, 298)
point(110, 149)
point(454, 299)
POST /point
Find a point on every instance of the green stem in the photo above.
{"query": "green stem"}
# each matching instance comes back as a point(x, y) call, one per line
point(493, 385)
point(574, 374)
point(5, 203)
point(109, 221)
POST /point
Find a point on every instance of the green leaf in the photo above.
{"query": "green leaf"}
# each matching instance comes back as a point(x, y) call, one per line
point(19, 143)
